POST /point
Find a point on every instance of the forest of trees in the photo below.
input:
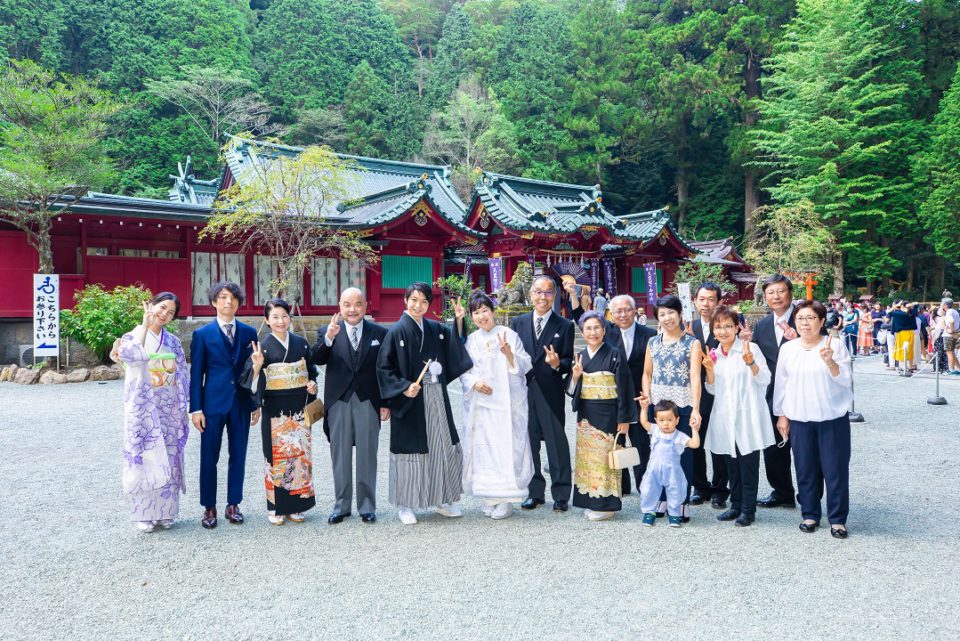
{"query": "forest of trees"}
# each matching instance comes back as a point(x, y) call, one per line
point(714, 108)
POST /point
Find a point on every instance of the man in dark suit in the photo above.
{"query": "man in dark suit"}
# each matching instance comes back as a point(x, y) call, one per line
point(772, 331)
point(706, 300)
point(627, 335)
point(218, 353)
point(548, 339)
point(354, 410)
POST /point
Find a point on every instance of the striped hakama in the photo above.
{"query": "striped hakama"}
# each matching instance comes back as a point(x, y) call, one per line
point(420, 481)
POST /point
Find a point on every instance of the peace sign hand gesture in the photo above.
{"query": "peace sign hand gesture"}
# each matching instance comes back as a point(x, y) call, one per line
point(577, 369)
point(334, 328)
point(747, 354)
point(826, 353)
point(458, 310)
point(746, 334)
point(148, 316)
point(552, 358)
point(257, 356)
point(505, 348)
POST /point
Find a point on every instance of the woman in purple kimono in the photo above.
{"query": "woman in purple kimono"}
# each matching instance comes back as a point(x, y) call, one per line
point(155, 428)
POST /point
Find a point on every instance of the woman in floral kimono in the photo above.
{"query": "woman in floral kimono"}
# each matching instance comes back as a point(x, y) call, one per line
point(601, 386)
point(282, 384)
point(155, 426)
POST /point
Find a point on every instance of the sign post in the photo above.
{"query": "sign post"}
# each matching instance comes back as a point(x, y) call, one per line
point(496, 274)
point(46, 316)
point(683, 289)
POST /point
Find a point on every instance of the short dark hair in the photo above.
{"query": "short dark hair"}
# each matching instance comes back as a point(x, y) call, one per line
point(230, 286)
point(729, 312)
point(666, 406)
point(588, 316)
point(670, 302)
point(818, 308)
point(421, 287)
point(162, 296)
point(712, 287)
point(777, 278)
point(275, 302)
point(478, 300)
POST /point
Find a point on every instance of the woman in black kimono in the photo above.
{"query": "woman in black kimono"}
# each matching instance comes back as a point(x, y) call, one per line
point(601, 386)
point(282, 384)
point(425, 455)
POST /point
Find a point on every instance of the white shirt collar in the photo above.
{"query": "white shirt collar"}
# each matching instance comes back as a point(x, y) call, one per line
point(545, 317)
point(222, 322)
point(591, 353)
point(418, 322)
point(359, 327)
point(786, 315)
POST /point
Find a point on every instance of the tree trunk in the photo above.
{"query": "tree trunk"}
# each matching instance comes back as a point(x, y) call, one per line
point(41, 242)
point(751, 194)
point(838, 273)
point(683, 193)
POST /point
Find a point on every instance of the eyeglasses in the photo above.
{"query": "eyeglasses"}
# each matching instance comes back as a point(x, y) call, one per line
point(621, 312)
point(542, 292)
point(807, 319)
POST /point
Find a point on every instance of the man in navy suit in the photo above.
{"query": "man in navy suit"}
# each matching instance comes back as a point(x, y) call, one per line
point(349, 349)
point(548, 338)
point(218, 353)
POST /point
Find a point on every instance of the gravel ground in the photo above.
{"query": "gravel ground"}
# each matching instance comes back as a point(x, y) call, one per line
point(74, 567)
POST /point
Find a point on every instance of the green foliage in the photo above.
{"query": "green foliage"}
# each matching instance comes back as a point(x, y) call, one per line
point(697, 273)
point(452, 287)
point(50, 143)
point(100, 317)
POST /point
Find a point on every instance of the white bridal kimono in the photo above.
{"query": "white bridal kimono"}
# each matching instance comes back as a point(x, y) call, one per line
point(497, 463)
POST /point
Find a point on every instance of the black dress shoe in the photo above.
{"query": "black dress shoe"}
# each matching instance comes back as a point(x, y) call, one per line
point(718, 502)
point(743, 520)
point(838, 533)
point(775, 501)
point(531, 503)
point(561, 506)
point(368, 518)
point(209, 519)
point(729, 515)
point(697, 498)
point(809, 528)
point(234, 515)
point(337, 517)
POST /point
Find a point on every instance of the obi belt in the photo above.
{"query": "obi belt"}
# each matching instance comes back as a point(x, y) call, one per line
point(598, 386)
point(281, 376)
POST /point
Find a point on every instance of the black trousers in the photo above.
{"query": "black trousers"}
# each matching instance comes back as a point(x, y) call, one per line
point(718, 486)
point(744, 473)
point(640, 440)
point(776, 461)
point(822, 451)
point(543, 425)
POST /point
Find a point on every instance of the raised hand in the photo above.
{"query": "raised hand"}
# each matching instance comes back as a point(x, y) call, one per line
point(707, 362)
point(257, 356)
point(826, 353)
point(552, 358)
point(746, 334)
point(644, 401)
point(577, 369)
point(458, 310)
point(747, 353)
point(505, 348)
point(148, 316)
point(334, 327)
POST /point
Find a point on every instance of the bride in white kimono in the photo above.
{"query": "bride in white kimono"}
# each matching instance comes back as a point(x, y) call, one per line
point(497, 463)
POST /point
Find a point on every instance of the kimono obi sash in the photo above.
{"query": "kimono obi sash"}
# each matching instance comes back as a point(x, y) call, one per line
point(162, 369)
point(598, 386)
point(281, 376)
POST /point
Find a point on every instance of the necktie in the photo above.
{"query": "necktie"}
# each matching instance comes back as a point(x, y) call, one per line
point(539, 326)
point(354, 339)
point(228, 328)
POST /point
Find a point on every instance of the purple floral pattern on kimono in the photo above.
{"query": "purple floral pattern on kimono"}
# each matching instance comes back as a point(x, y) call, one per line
point(155, 427)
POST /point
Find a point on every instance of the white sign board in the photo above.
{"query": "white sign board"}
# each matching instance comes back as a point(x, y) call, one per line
point(683, 290)
point(46, 315)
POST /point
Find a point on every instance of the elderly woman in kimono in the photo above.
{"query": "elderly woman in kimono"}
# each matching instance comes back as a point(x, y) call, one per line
point(155, 429)
point(497, 463)
point(602, 390)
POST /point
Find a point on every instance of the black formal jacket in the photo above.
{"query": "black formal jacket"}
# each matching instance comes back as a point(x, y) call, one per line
point(346, 373)
point(641, 336)
point(706, 398)
point(765, 336)
point(558, 333)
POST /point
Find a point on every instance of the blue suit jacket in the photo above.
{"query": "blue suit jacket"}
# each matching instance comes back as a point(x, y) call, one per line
point(216, 369)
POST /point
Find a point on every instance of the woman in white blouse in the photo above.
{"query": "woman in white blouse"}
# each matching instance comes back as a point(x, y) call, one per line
point(740, 426)
point(811, 399)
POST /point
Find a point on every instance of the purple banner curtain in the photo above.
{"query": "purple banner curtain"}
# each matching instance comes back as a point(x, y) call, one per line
point(650, 273)
point(594, 275)
point(610, 276)
point(466, 271)
point(496, 274)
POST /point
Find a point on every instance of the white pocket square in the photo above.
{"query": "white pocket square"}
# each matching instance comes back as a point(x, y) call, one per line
point(556, 335)
point(441, 336)
point(401, 342)
point(374, 343)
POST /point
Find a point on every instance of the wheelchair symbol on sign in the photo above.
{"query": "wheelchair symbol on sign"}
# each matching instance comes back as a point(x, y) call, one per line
point(47, 287)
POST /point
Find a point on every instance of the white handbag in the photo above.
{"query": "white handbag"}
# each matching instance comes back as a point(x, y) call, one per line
point(623, 457)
